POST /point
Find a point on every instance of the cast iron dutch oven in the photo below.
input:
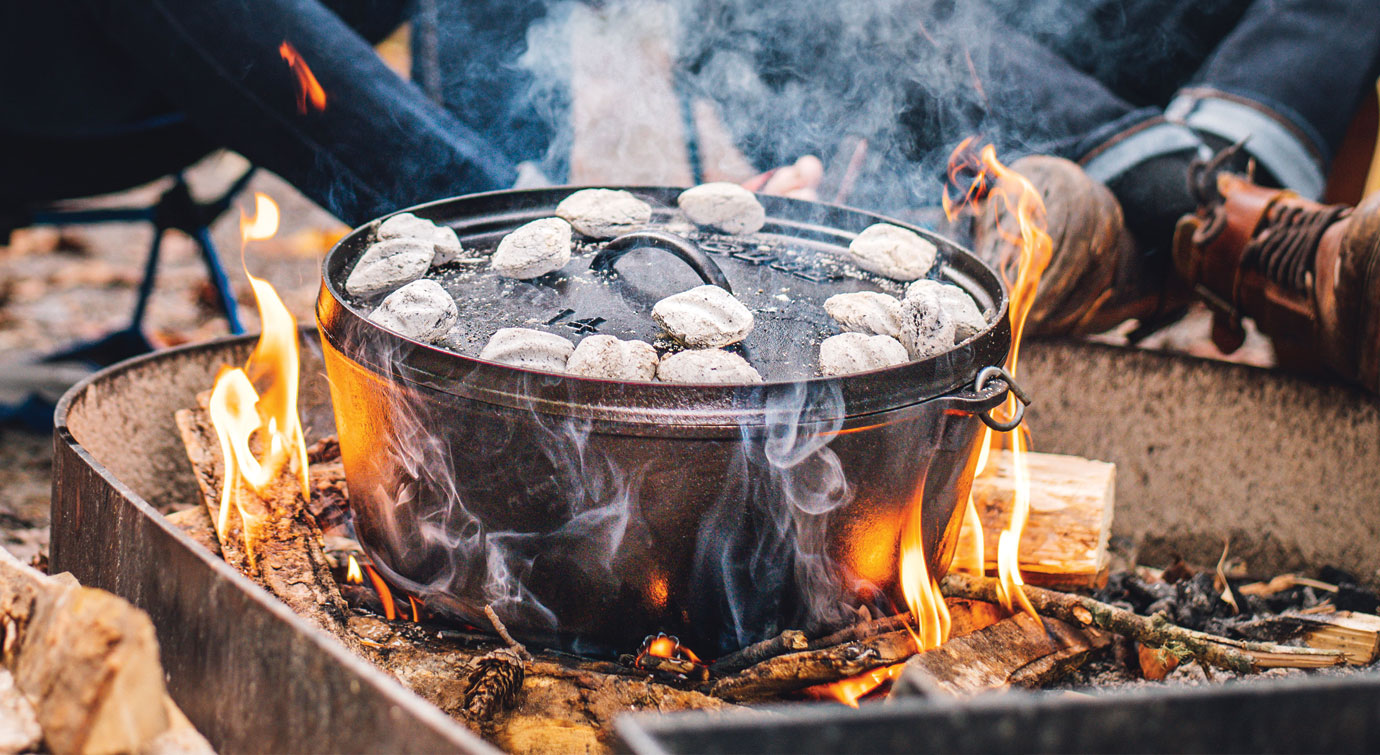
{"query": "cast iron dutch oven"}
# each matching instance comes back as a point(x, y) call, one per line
point(592, 513)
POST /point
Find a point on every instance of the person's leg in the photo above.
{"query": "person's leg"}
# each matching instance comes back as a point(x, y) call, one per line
point(379, 144)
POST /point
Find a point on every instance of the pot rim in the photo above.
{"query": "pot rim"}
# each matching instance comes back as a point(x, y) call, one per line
point(396, 357)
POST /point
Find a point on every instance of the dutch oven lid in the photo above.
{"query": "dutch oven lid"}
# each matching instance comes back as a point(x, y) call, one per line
point(783, 273)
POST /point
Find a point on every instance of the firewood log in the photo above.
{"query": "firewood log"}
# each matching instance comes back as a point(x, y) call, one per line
point(289, 559)
point(1064, 544)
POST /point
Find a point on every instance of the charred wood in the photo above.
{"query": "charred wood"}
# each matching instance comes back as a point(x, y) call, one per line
point(1153, 631)
point(789, 641)
point(788, 673)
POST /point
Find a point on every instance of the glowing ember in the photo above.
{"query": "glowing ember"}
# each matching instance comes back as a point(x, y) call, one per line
point(353, 574)
point(1015, 202)
point(309, 91)
point(259, 432)
point(664, 646)
point(850, 691)
point(416, 609)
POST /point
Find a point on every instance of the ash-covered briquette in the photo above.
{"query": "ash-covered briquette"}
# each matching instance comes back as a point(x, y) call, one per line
point(893, 252)
point(847, 353)
point(604, 213)
point(968, 318)
point(609, 358)
point(705, 317)
point(389, 264)
point(421, 310)
point(723, 207)
point(866, 312)
point(406, 225)
point(529, 349)
point(706, 366)
point(533, 250)
point(927, 327)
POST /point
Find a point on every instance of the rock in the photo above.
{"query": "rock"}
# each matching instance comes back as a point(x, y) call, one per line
point(529, 349)
point(968, 319)
point(705, 317)
point(609, 358)
point(421, 310)
point(927, 328)
point(540, 247)
point(604, 213)
point(866, 312)
point(708, 366)
point(724, 207)
point(893, 251)
point(847, 353)
point(388, 264)
point(19, 729)
point(408, 226)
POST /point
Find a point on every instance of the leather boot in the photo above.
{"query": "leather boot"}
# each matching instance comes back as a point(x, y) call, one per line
point(1096, 278)
point(1308, 274)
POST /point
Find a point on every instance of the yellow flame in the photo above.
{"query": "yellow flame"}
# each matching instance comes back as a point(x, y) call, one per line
point(260, 434)
point(353, 574)
point(1013, 199)
point(919, 588)
point(971, 554)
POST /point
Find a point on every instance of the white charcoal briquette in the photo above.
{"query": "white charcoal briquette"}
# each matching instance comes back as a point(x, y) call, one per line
point(968, 319)
point(604, 213)
point(540, 247)
point(421, 310)
point(866, 312)
point(609, 358)
point(927, 328)
point(705, 317)
point(406, 225)
point(847, 353)
point(529, 349)
point(388, 264)
point(708, 366)
point(723, 206)
point(893, 251)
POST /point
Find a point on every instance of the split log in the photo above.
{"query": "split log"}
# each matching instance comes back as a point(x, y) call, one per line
point(1014, 651)
point(1064, 544)
point(196, 522)
point(286, 555)
point(86, 660)
point(1153, 631)
point(1355, 635)
point(788, 673)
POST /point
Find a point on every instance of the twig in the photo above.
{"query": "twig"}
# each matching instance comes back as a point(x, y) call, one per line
point(1154, 631)
point(787, 673)
point(789, 641)
point(502, 630)
point(863, 631)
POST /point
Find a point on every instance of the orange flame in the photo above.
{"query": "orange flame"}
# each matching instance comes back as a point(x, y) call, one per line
point(353, 574)
point(849, 691)
point(309, 91)
point(1024, 258)
point(664, 646)
point(390, 611)
point(919, 587)
point(260, 434)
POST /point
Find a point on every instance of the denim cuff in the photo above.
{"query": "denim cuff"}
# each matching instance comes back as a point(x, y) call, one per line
point(1145, 141)
point(1268, 137)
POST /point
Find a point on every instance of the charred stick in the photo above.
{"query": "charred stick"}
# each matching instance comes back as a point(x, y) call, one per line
point(863, 631)
point(1153, 631)
point(789, 641)
point(788, 673)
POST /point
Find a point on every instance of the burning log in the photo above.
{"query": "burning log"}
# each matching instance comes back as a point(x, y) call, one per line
point(964, 616)
point(1064, 544)
point(288, 557)
point(1015, 650)
point(1152, 631)
point(788, 673)
point(789, 641)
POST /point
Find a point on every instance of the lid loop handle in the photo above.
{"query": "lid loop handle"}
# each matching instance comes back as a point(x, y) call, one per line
point(685, 249)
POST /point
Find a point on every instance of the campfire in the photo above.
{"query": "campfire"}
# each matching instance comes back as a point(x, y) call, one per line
point(1029, 597)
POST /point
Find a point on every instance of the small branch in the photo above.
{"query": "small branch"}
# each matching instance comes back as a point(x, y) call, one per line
point(1154, 631)
point(787, 673)
point(502, 630)
point(863, 631)
point(789, 641)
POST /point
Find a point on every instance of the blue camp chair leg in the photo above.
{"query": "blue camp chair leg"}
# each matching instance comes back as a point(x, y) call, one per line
point(146, 286)
point(219, 280)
